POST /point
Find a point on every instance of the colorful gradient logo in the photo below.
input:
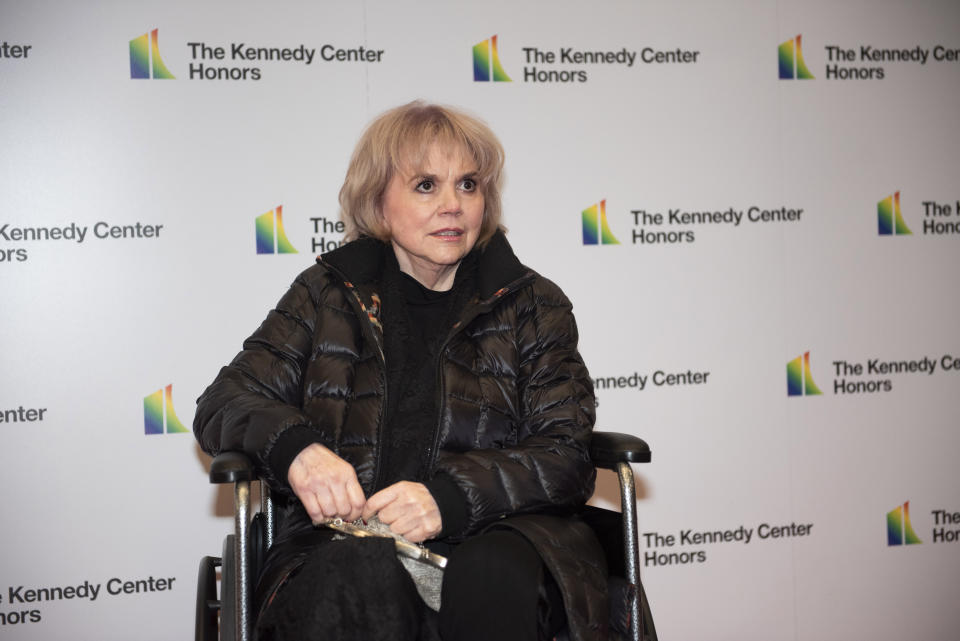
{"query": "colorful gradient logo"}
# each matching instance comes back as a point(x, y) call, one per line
point(596, 230)
point(271, 238)
point(486, 62)
point(158, 414)
point(899, 529)
point(890, 219)
point(145, 60)
point(790, 56)
point(799, 379)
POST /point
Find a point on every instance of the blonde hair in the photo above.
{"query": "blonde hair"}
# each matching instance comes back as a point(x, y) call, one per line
point(401, 138)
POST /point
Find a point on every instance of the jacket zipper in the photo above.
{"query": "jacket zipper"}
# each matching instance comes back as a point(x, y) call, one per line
point(481, 308)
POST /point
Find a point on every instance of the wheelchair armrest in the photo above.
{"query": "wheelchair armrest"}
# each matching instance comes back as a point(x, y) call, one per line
point(609, 448)
point(231, 467)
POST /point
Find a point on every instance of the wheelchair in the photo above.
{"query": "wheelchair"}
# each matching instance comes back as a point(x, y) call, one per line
point(229, 617)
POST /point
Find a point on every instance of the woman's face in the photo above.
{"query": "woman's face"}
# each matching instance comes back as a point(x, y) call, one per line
point(434, 215)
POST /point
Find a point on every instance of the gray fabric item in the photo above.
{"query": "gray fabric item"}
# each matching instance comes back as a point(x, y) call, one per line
point(428, 579)
point(425, 568)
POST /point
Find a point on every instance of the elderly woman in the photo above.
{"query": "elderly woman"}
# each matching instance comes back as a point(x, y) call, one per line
point(421, 374)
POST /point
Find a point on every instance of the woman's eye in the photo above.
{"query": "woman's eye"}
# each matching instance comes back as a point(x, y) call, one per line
point(468, 184)
point(425, 186)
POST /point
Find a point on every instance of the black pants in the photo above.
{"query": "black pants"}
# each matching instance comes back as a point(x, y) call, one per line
point(495, 587)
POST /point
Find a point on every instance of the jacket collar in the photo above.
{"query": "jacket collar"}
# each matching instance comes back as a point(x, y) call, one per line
point(498, 267)
point(361, 261)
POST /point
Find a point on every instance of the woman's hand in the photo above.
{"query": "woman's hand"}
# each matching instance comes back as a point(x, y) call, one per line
point(326, 485)
point(408, 508)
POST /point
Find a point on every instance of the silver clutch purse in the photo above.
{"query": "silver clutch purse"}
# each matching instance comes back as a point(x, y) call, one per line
point(424, 567)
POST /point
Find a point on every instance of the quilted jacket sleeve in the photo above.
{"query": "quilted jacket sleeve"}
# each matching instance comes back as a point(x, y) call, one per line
point(549, 469)
point(256, 399)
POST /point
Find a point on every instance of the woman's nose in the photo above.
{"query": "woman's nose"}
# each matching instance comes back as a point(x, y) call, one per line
point(449, 201)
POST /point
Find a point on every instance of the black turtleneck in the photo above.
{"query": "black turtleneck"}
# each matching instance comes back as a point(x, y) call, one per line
point(416, 322)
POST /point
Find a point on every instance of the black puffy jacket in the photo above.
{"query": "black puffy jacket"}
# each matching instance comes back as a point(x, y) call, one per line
point(516, 404)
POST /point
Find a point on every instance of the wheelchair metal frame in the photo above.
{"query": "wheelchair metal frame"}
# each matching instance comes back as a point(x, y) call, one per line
point(608, 450)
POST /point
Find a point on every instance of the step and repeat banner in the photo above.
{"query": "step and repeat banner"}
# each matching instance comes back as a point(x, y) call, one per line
point(754, 206)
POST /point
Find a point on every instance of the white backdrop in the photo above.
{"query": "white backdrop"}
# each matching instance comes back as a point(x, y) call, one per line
point(93, 326)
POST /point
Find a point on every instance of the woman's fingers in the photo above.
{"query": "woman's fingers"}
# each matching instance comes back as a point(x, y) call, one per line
point(312, 506)
point(341, 501)
point(408, 508)
point(356, 498)
point(325, 484)
point(376, 503)
point(328, 505)
point(417, 528)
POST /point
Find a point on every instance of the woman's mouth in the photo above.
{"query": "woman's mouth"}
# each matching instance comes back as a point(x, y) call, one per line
point(448, 233)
